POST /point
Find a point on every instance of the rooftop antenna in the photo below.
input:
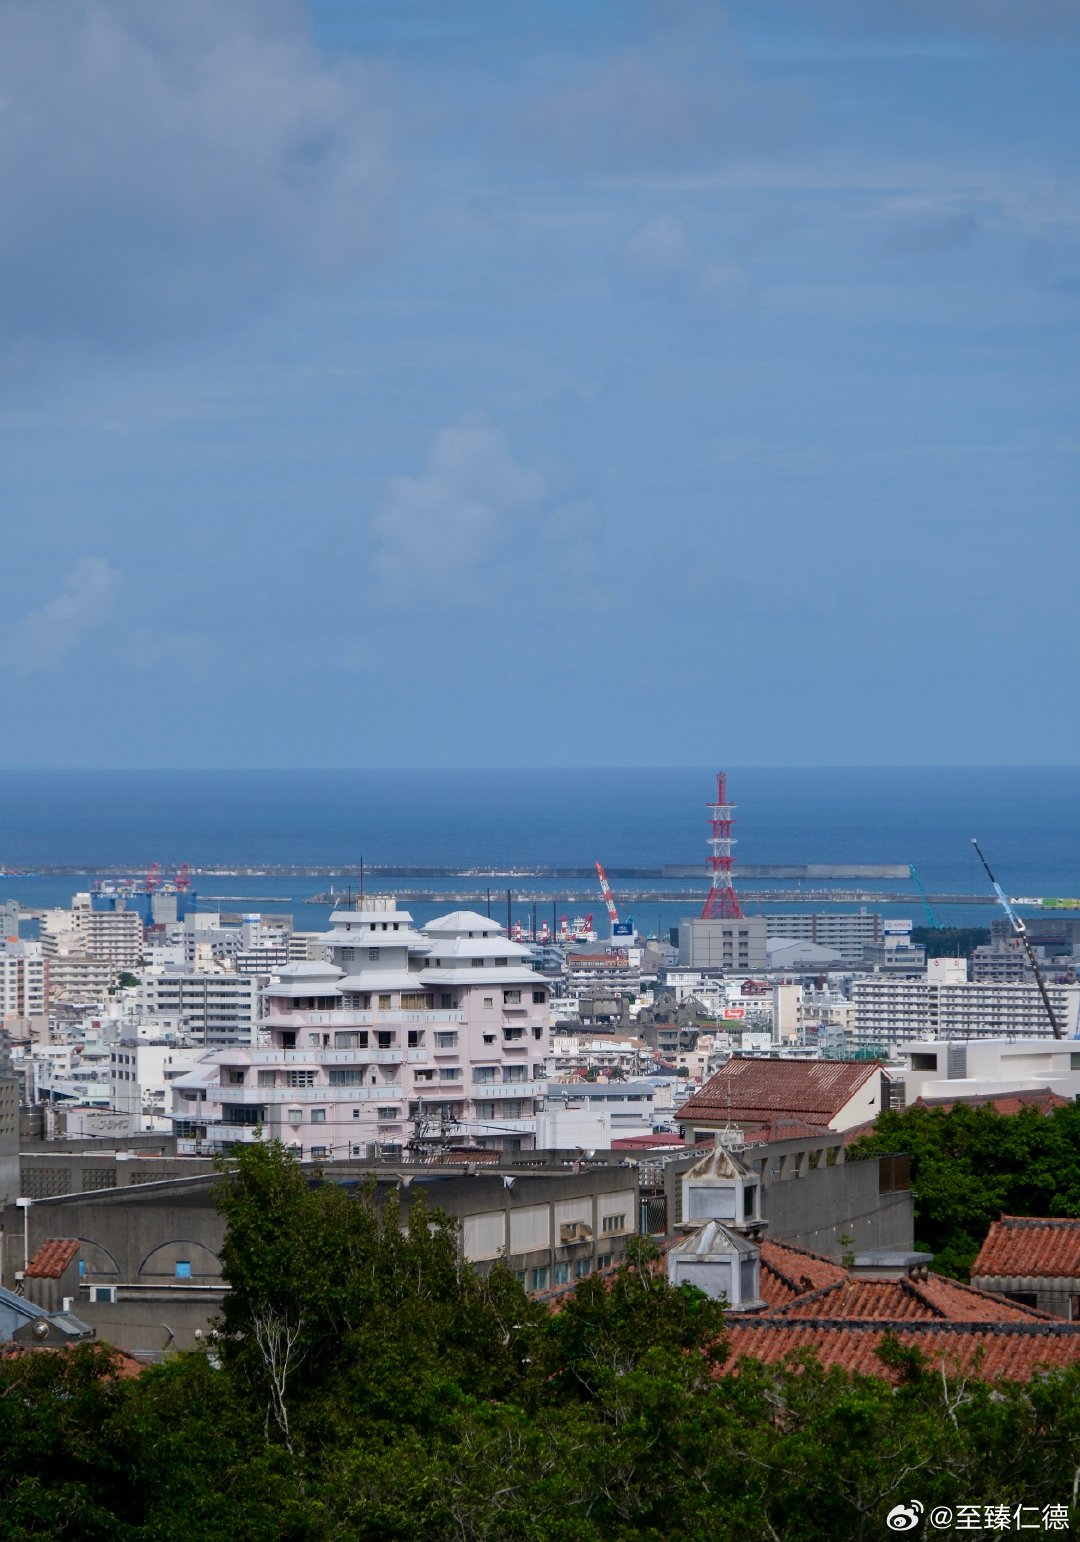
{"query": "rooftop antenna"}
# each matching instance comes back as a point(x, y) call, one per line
point(722, 903)
point(360, 901)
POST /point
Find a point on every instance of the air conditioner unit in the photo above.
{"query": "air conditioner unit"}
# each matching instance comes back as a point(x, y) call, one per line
point(575, 1231)
point(103, 1293)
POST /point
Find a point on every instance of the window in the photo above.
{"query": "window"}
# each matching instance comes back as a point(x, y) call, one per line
point(478, 963)
point(515, 1073)
point(485, 1110)
point(489, 1002)
point(538, 1032)
point(581, 1268)
point(540, 997)
point(485, 1074)
point(356, 1113)
point(266, 1078)
point(373, 955)
point(384, 1039)
point(387, 1113)
point(416, 1038)
point(614, 1223)
point(560, 1275)
point(511, 997)
point(450, 1073)
point(415, 1002)
point(299, 1078)
point(347, 1075)
point(236, 1078)
point(603, 1260)
point(519, 1275)
point(748, 1202)
point(446, 1041)
point(318, 1116)
point(296, 1115)
point(538, 1279)
point(446, 1000)
point(320, 1151)
point(384, 1003)
point(183, 1269)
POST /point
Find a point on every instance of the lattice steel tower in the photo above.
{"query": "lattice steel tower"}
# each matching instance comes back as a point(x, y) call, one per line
point(722, 903)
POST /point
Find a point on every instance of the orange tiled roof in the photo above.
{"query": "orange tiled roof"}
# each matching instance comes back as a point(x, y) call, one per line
point(123, 1365)
point(1041, 1098)
point(789, 1272)
point(934, 1300)
point(1023, 1247)
point(52, 1258)
point(762, 1089)
point(1014, 1350)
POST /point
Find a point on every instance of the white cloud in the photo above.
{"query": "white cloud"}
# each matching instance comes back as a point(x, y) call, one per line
point(44, 639)
point(168, 168)
point(436, 533)
point(660, 257)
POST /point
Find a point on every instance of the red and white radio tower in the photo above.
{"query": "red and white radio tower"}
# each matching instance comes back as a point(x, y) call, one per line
point(722, 903)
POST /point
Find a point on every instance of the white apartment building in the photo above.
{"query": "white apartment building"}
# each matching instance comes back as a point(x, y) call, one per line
point(607, 974)
point(846, 932)
point(24, 982)
point(887, 1012)
point(140, 1080)
point(987, 1067)
point(402, 1038)
point(207, 1009)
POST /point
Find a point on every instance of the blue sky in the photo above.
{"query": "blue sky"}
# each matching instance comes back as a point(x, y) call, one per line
point(585, 383)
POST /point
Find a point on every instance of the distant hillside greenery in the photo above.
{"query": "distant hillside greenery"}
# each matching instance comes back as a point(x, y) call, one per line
point(367, 1385)
point(950, 941)
point(971, 1165)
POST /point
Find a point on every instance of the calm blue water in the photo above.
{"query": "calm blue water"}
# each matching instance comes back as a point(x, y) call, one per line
point(1027, 819)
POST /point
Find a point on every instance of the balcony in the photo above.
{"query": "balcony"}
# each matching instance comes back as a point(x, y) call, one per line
point(353, 1017)
point(328, 1057)
point(487, 1092)
point(256, 1095)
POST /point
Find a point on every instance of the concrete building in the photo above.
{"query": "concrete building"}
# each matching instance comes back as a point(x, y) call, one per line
point(890, 1012)
point(141, 1074)
point(737, 947)
point(401, 1039)
point(213, 1010)
point(848, 933)
point(113, 937)
point(627, 1107)
point(940, 1070)
point(24, 990)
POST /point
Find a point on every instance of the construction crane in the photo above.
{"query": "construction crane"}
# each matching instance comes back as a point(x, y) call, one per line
point(605, 889)
point(931, 918)
point(1020, 930)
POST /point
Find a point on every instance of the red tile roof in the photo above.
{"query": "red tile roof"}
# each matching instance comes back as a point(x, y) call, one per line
point(1014, 1350)
point(123, 1365)
point(788, 1272)
point(760, 1089)
point(932, 1300)
point(1041, 1098)
point(52, 1258)
point(647, 1142)
point(1023, 1247)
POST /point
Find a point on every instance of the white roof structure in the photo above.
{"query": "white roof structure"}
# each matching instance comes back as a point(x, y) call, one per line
point(376, 979)
point(463, 923)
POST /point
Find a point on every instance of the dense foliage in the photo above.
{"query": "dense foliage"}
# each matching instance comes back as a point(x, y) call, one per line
point(368, 1385)
point(970, 1165)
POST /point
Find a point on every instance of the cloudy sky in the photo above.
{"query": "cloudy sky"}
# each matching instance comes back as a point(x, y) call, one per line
point(571, 382)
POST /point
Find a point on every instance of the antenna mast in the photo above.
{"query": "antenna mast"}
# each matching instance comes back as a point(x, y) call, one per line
point(722, 903)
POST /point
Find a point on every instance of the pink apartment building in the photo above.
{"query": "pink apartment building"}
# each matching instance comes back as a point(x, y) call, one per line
point(402, 1037)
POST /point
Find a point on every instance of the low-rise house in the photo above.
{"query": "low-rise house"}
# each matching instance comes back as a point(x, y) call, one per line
point(756, 1091)
point(1034, 1261)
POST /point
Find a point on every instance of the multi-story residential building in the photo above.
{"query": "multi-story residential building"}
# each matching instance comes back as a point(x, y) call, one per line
point(140, 1076)
point(893, 1011)
point(208, 1009)
point(847, 933)
point(607, 974)
point(737, 946)
point(401, 1039)
point(24, 990)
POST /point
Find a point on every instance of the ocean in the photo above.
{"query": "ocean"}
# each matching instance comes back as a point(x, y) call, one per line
point(1027, 820)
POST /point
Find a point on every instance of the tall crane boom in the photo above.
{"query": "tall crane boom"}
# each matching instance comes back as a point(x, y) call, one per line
point(605, 889)
point(931, 918)
point(1021, 931)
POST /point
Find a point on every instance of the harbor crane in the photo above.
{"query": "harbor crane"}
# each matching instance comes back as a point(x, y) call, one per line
point(609, 900)
point(931, 918)
point(1021, 931)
